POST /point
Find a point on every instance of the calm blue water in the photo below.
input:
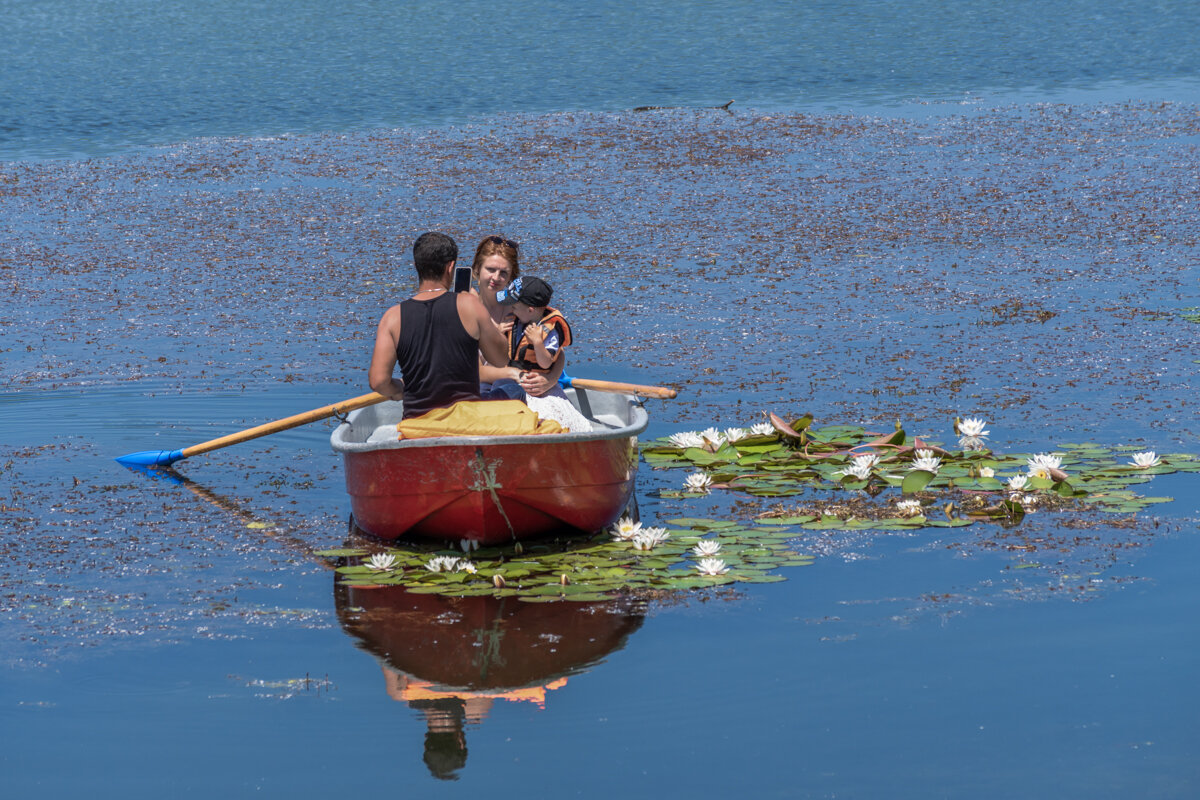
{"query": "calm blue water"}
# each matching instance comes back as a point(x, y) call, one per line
point(1029, 264)
point(81, 79)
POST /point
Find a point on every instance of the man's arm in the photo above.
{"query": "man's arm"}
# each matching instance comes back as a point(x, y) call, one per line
point(478, 323)
point(383, 358)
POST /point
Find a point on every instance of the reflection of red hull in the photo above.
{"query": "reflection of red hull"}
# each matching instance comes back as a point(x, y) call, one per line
point(483, 643)
point(490, 490)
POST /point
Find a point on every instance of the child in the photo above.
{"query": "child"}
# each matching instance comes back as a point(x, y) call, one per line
point(539, 334)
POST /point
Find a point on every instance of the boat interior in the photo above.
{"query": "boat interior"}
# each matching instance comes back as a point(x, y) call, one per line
point(374, 427)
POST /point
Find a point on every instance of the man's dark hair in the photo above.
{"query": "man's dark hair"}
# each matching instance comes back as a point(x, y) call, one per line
point(432, 252)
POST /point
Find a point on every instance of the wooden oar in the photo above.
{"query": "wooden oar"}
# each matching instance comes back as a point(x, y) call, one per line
point(566, 381)
point(162, 458)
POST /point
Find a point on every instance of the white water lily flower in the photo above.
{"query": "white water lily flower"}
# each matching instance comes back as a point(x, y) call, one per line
point(626, 529)
point(1145, 460)
point(924, 454)
point(1044, 461)
point(1017, 482)
point(762, 429)
point(712, 566)
point(650, 538)
point(707, 547)
point(713, 436)
point(909, 508)
point(381, 562)
point(466, 566)
point(697, 482)
point(870, 460)
point(972, 433)
point(441, 564)
point(860, 471)
point(987, 472)
point(927, 463)
point(973, 427)
point(687, 439)
point(733, 434)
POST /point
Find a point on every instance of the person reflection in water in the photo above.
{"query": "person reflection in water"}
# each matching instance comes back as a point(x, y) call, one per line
point(447, 715)
point(445, 739)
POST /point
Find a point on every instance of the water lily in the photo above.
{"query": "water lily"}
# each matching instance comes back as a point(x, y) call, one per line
point(973, 427)
point(707, 547)
point(711, 566)
point(713, 436)
point(762, 429)
point(466, 566)
point(1017, 483)
point(972, 434)
point(697, 482)
point(733, 434)
point(928, 463)
point(650, 538)
point(441, 564)
point(1145, 460)
point(687, 439)
point(909, 508)
point(626, 529)
point(381, 562)
point(987, 472)
point(868, 460)
point(860, 471)
point(1044, 462)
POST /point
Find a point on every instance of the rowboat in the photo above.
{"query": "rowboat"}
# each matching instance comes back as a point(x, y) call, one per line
point(491, 489)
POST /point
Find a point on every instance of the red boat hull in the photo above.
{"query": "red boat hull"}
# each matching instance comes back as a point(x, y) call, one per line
point(492, 494)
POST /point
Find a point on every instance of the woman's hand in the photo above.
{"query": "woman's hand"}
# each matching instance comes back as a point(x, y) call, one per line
point(535, 383)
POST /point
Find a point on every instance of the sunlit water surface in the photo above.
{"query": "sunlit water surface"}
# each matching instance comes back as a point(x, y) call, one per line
point(1029, 263)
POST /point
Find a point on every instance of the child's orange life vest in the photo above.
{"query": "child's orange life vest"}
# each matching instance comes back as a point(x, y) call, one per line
point(521, 354)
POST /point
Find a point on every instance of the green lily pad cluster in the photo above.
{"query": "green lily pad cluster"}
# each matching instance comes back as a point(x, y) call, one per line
point(963, 485)
point(593, 569)
point(958, 488)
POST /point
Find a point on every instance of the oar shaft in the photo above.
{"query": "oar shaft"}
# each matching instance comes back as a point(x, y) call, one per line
point(624, 388)
point(296, 421)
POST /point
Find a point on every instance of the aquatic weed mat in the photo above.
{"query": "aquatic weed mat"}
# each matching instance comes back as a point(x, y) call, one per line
point(146, 557)
point(834, 488)
point(1092, 502)
point(1033, 260)
point(1033, 263)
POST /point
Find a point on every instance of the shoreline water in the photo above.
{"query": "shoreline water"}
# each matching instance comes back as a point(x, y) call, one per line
point(868, 105)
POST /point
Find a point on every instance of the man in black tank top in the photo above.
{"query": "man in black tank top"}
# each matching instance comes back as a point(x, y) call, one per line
point(435, 336)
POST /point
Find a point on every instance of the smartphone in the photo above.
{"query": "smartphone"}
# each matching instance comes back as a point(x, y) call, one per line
point(462, 279)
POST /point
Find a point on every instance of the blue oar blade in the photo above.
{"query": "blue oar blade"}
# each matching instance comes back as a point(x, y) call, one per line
point(150, 458)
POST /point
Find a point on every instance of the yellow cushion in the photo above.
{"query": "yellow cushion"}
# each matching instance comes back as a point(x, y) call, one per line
point(478, 418)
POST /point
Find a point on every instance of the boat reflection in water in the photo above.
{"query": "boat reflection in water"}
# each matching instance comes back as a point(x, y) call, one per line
point(452, 658)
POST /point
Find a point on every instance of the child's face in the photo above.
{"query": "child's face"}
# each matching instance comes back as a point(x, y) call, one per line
point(526, 313)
